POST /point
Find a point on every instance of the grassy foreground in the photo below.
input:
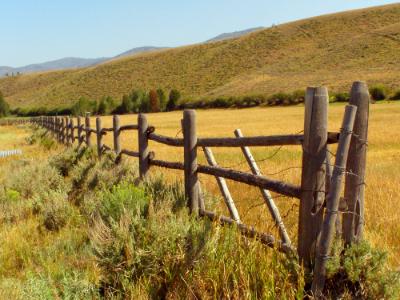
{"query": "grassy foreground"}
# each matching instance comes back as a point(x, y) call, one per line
point(82, 228)
point(325, 50)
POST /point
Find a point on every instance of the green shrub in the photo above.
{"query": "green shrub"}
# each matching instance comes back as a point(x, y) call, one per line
point(106, 105)
point(4, 107)
point(162, 99)
point(84, 105)
point(378, 92)
point(341, 97)
point(41, 177)
point(56, 211)
point(173, 98)
point(396, 96)
point(42, 137)
point(66, 160)
point(362, 273)
point(281, 99)
point(122, 198)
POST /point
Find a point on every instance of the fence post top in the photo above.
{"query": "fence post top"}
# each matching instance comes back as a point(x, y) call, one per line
point(359, 87)
point(189, 112)
point(317, 90)
point(349, 108)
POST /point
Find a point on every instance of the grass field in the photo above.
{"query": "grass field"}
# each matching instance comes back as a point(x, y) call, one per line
point(39, 262)
point(382, 191)
point(326, 50)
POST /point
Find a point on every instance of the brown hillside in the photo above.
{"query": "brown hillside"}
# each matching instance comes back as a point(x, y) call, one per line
point(332, 49)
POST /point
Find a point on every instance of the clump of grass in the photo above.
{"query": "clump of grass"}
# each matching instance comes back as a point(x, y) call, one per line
point(65, 161)
point(42, 137)
point(56, 212)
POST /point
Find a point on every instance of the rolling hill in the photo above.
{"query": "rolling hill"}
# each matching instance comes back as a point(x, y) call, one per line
point(333, 50)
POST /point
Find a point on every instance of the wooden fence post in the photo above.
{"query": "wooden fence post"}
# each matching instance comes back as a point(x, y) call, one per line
point(117, 141)
point(143, 145)
point(79, 121)
point(190, 160)
point(67, 130)
point(332, 202)
point(53, 120)
point(274, 211)
point(72, 130)
point(87, 129)
point(353, 218)
point(57, 129)
point(99, 136)
point(313, 173)
point(63, 130)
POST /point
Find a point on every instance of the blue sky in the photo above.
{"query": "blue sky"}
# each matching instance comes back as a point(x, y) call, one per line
point(33, 31)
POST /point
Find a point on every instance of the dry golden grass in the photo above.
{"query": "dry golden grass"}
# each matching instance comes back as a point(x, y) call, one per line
point(361, 44)
point(382, 191)
point(16, 138)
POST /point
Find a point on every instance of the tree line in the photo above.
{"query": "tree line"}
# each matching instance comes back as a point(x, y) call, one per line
point(134, 102)
point(157, 100)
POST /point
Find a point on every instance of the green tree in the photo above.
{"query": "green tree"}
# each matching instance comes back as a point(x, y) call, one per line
point(173, 99)
point(4, 107)
point(126, 105)
point(162, 99)
point(106, 105)
point(136, 98)
point(102, 107)
point(83, 105)
point(145, 103)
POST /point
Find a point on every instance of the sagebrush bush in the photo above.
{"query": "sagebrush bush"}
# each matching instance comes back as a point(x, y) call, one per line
point(56, 211)
point(378, 92)
point(36, 179)
point(67, 159)
point(341, 97)
point(361, 272)
point(42, 137)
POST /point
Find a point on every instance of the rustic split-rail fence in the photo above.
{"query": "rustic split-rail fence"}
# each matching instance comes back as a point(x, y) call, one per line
point(323, 213)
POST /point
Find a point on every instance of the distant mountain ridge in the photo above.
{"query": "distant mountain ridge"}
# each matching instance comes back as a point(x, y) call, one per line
point(231, 35)
point(59, 64)
point(77, 62)
point(70, 62)
point(139, 50)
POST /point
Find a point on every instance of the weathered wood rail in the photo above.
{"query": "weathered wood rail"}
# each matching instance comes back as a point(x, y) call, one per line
point(319, 192)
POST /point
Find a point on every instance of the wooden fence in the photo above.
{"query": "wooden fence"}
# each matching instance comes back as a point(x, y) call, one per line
point(321, 207)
